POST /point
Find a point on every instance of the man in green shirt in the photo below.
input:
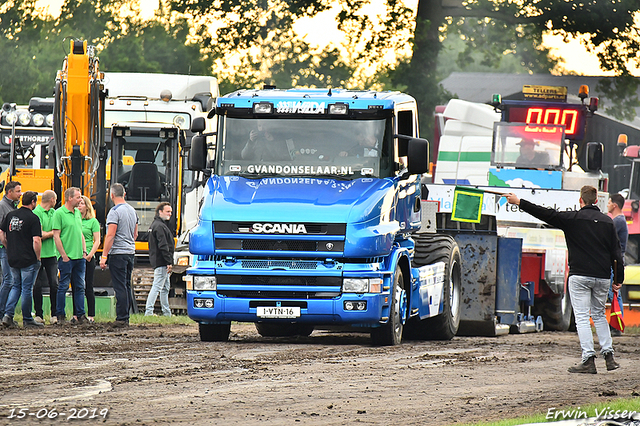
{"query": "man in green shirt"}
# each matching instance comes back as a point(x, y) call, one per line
point(67, 233)
point(48, 274)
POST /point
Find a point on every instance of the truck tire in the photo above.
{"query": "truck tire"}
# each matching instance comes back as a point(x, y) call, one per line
point(214, 332)
point(556, 312)
point(631, 254)
point(429, 250)
point(269, 329)
point(390, 334)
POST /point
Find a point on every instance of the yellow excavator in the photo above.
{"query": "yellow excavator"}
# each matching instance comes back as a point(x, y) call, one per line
point(111, 127)
point(78, 132)
point(132, 129)
point(78, 125)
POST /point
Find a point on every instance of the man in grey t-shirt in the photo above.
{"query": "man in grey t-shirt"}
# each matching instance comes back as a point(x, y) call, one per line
point(119, 250)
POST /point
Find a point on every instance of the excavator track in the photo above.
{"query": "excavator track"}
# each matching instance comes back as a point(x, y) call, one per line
point(141, 283)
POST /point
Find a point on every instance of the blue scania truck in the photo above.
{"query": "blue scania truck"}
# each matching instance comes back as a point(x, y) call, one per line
point(312, 218)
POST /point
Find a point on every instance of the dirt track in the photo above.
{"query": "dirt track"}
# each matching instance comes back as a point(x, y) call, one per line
point(159, 375)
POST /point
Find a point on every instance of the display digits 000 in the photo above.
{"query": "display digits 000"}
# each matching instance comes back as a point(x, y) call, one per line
point(571, 118)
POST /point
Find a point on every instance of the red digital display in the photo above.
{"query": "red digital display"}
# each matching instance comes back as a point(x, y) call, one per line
point(572, 117)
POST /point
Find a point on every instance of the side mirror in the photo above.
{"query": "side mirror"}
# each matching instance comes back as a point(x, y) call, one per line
point(403, 144)
point(197, 160)
point(198, 125)
point(594, 153)
point(418, 156)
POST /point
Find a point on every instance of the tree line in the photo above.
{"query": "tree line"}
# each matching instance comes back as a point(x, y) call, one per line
point(247, 43)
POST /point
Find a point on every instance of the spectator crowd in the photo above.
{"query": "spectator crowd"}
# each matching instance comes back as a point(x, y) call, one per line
point(42, 247)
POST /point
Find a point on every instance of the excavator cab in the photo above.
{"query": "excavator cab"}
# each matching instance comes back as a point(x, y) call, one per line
point(152, 177)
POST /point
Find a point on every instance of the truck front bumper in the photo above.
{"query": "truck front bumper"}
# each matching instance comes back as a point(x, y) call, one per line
point(334, 311)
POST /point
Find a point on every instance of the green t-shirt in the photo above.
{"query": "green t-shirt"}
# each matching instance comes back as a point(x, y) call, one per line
point(46, 220)
point(70, 226)
point(89, 226)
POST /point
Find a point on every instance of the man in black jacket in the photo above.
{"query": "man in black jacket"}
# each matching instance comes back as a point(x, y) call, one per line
point(21, 233)
point(594, 250)
point(161, 247)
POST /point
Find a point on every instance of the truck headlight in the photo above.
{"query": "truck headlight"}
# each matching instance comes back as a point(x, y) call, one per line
point(24, 119)
point(11, 118)
point(204, 282)
point(183, 261)
point(48, 120)
point(38, 119)
point(362, 285)
point(180, 121)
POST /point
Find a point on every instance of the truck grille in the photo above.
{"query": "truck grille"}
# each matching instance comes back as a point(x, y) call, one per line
point(273, 245)
point(233, 238)
point(269, 264)
point(311, 228)
point(271, 287)
point(267, 280)
point(248, 294)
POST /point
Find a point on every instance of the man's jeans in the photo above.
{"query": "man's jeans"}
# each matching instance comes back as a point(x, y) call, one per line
point(7, 280)
point(76, 268)
point(23, 279)
point(589, 295)
point(161, 284)
point(121, 267)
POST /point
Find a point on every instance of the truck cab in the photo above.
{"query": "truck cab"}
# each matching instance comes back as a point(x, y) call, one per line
point(311, 204)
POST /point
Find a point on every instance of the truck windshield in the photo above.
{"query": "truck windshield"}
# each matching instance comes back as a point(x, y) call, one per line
point(339, 149)
point(144, 169)
point(528, 145)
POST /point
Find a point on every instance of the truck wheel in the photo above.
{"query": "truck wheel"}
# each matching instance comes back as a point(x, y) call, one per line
point(631, 254)
point(214, 332)
point(283, 329)
point(556, 312)
point(391, 333)
point(429, 250)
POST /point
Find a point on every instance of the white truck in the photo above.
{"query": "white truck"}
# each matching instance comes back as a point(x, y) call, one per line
point(147, 120)
point(529, 148)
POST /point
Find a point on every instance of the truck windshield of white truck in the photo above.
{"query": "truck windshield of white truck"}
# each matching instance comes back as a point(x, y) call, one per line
point(338, 149)
point(528, 145)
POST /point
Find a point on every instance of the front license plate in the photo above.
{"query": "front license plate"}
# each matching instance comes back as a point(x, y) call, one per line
point(278, 312)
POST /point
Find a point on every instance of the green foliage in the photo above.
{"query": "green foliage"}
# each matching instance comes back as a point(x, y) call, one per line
point(34, 46)
point(622, 92)
point(253, 42)
point(155, 47)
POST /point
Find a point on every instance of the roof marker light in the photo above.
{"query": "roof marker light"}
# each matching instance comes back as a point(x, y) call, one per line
point(263, 108)
point(339, 109)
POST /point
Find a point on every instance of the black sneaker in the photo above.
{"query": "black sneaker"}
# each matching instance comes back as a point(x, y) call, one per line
point(32, 323)
point(61, 320)
point(8, 322)
point(82, 319)
point(611, 362)
point(120, 324)
point(588, 366)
